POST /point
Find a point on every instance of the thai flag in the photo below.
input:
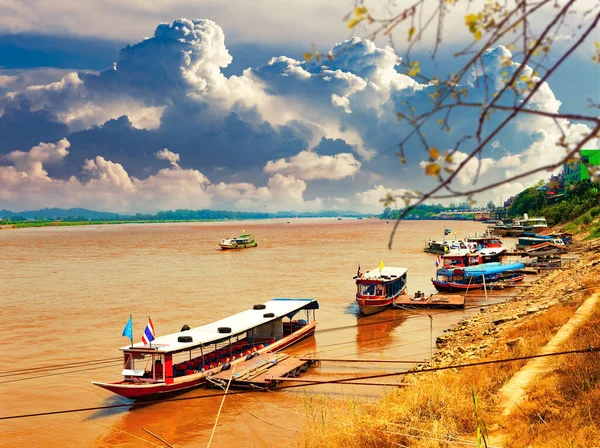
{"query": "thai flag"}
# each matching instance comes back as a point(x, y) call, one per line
point(148, 335)
point(438, 261)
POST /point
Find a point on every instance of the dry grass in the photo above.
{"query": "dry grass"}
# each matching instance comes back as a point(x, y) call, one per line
point(438, 407)
point(563, 410)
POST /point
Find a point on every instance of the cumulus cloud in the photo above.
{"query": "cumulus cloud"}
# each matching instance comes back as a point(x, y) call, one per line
point(309, 165)
point(370, 200)
point(106, 185)
point(271, 136)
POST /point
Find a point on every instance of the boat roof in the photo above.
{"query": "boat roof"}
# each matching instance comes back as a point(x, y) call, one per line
point(375, 274)
point(239, 323)
point(492, 268)
point(456, 253)
point(487, 251)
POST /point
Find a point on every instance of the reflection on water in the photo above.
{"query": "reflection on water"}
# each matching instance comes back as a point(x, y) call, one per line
point(67, 293)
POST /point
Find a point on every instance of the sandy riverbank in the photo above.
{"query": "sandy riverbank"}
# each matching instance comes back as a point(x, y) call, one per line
point(439, 407)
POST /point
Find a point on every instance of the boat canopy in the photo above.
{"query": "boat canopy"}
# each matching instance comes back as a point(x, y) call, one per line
point(457, 270)
point(478, 271)
point(457, 253)
point(389, 272)
point(238, 323)
point(489, 251)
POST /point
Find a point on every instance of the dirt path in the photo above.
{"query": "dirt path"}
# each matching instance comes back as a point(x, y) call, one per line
point(513, 392)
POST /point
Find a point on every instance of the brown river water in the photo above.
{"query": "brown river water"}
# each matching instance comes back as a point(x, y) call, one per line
point(67, 292)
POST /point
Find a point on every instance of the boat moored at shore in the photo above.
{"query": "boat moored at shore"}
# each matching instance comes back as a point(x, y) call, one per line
point(178, 362)
point(377, 289)
point(442, 247)
point(491, 275)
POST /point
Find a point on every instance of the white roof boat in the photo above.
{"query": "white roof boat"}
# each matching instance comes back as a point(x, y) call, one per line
point(177, 362)
point(384, 274)
point(237, 324)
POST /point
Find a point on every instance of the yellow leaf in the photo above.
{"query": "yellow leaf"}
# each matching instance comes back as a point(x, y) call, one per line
point(470, 19)
point(360, 11)
point(353, 22)
point(411, 33)
point(432, 169)
point(477, 35)
point(434, 153)
point(308, 56)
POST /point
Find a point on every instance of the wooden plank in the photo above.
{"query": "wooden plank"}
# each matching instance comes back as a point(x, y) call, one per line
point(281, 369)
point(246, 367)
point(433, 301)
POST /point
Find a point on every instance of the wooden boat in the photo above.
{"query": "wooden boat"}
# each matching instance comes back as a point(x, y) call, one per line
point(485, 241)
point(177, 362)
point(433, 301)
point(496, 275)
point(534, 224)
point(377, 289)
point(243, 241)
point(464, 257)
point(545, 248)
point(528, 241)
point(442, 247)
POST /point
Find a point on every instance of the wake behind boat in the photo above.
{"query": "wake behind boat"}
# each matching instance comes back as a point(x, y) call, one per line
point(377, 289)
point(178, 362)
point(243, 241)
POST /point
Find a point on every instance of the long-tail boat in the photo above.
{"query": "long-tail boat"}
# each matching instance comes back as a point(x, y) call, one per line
point(377, 289)
point(177, 362)
point(473, 277)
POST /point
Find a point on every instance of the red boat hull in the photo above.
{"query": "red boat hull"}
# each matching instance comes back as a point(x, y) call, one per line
point(157, 391)
point(372, 305)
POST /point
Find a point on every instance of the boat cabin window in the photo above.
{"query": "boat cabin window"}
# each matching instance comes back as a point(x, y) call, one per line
point(367, 289)
point(145, 367)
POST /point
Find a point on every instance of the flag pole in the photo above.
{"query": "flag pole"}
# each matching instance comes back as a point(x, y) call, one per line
point(144, 330)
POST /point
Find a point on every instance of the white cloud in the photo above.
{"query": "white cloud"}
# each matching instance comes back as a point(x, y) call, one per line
point(370, 200)
point(30, 164)
point(172, 87)
point(509, 161)
point(309, 165)
point(165, 154)
point(106, 185)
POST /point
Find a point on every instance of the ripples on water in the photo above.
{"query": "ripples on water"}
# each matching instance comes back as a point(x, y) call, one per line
point(67, 292)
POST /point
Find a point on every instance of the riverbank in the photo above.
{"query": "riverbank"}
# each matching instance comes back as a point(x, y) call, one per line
point(454, 405)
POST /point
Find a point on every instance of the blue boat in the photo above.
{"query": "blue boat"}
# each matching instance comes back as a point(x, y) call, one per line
point(472, 277)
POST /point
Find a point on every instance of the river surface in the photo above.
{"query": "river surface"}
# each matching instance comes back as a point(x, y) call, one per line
point(67, 292)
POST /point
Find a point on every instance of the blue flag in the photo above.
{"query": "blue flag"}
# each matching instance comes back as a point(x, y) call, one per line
point(128, 330)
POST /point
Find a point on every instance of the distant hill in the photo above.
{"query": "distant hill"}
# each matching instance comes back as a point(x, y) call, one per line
point(61, 213)
point(82, 214)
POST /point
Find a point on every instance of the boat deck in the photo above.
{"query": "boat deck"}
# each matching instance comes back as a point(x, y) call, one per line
point(260, 372)
point(433, 301)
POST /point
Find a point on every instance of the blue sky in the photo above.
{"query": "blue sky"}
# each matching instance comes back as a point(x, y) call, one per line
point(103, 108)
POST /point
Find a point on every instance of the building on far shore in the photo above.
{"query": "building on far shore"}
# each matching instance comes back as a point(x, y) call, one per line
point(577, 171)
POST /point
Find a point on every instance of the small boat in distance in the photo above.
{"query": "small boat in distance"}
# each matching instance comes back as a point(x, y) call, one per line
point(377, 289)
point(243, 241)
point(177, 362)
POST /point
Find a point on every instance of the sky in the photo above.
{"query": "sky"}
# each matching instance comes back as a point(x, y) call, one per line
point(136, 106)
